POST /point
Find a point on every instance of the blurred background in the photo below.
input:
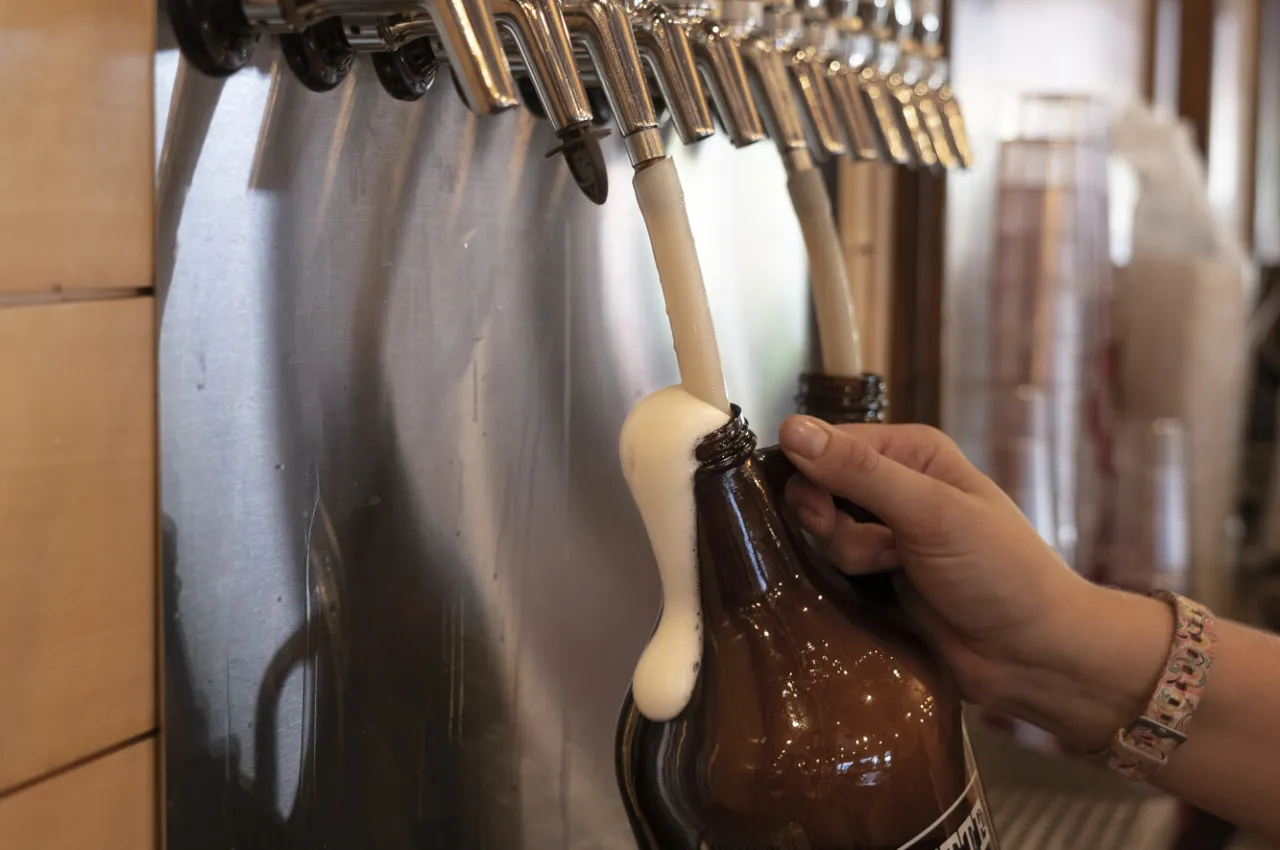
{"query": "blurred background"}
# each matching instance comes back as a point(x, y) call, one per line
point(1109, 311)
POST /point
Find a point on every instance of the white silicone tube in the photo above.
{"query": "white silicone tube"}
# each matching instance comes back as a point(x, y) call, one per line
point(662, 204)
point(832, 295)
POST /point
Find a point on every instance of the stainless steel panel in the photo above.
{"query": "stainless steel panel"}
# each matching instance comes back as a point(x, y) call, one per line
point(404, 583)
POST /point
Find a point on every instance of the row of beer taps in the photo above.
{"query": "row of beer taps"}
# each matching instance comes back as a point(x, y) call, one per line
point(866, 79)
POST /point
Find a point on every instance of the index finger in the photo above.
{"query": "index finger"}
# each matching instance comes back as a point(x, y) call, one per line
point(923, 449)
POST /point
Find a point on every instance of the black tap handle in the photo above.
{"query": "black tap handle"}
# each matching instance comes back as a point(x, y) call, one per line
point(580, 147)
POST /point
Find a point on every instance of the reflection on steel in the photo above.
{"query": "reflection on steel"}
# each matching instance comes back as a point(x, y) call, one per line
point(894, 66)
point(404, 583)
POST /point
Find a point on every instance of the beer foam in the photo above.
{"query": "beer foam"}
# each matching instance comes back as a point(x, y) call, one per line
point(657, 449)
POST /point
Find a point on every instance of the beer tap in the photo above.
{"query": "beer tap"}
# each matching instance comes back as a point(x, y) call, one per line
point(769, 74)
point(404, 58)
point(598, 47)
point(859, 23)
point(666, 45)
point(806, 62)
point(834, 36)
point(770, 68)
point(918, 27)
point(604, 28)
point(541, 36)
point(893, 33)
point(937, 74)
point(219, 36)
point(717, 51)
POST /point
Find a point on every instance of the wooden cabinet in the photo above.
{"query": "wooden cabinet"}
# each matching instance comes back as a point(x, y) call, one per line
point(108, 804)
point(76, 159)
point(78, 578)
point(77, 517)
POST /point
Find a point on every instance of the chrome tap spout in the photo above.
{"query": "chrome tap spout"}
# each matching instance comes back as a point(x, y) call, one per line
point(604, 28)
point(667, 47)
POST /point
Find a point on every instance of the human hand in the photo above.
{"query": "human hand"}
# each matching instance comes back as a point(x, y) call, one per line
point(1018, 629)
point(991, 594)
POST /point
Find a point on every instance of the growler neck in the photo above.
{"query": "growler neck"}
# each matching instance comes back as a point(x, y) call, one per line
point(843, 400)
point(746, 553)
point(727, 446)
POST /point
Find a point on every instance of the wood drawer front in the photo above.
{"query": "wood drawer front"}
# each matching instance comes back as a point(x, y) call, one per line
point(77, 532)
point(76, 177)
point(106, 804)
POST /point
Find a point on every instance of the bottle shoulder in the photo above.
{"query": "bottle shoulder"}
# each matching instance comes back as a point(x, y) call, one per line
point(806, 701)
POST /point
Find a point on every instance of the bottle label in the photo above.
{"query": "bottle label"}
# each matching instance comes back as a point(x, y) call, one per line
point(965, 826)
point(973, 834)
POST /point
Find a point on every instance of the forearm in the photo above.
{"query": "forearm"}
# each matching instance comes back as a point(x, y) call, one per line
point(1100, 673)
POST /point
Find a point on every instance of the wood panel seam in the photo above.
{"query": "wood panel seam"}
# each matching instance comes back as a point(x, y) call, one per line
point(77, 764)
point(72, 296)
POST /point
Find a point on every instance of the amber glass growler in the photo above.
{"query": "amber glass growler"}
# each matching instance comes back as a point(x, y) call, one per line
point(841, 401)
point(818, 721)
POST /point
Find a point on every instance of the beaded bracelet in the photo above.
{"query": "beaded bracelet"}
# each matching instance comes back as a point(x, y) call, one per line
point(1144, 746)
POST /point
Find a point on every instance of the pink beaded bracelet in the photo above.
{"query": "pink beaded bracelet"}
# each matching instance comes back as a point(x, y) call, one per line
point(1144, 747)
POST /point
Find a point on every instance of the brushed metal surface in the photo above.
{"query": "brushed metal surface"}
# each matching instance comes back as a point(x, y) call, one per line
point(404, 582)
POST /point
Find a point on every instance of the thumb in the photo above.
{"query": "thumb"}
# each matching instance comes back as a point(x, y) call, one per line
point(847, 466)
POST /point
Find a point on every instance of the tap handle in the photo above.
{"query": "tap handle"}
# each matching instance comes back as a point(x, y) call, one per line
point(580, 147)
point(214, 35)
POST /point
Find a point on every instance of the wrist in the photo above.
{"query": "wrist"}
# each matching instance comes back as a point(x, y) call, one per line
point(1095, 667)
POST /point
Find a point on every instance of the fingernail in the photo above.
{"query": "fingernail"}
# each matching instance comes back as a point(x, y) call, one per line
point(805, 437)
